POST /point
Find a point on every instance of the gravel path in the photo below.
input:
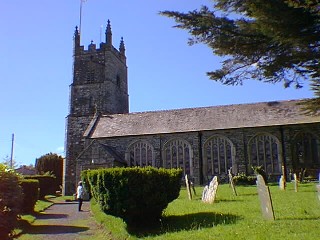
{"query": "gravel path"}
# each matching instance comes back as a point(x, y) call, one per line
point(62, 221)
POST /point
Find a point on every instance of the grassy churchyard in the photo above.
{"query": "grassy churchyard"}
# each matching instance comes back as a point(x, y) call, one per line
point(297, 216)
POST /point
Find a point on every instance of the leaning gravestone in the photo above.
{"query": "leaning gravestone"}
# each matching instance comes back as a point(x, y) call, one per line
point(265, 199)
point(318, 189)
point(188, 187)
point(209, 192)
point(295, 181)
point(282, 183)
point(232, 182)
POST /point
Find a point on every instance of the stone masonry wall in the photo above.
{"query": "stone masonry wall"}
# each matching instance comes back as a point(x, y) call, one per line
point(239, 137)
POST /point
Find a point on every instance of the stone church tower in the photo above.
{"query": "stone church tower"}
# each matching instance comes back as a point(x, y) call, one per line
point(99, 86)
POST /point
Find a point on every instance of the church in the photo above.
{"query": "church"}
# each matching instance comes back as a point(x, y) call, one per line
point(204, 142)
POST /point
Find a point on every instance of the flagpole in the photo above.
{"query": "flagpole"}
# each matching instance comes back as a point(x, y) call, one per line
point(80, 16)
point(11, 158)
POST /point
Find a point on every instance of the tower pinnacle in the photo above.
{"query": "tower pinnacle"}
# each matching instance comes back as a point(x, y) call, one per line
point(122, 49)
point(108, 34)
point(76, 38)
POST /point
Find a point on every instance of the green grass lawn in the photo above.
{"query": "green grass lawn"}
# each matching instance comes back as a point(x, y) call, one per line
point(297, 216)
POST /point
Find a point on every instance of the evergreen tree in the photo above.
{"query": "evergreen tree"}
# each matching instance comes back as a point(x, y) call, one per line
point(267, 40)
point(51, 163)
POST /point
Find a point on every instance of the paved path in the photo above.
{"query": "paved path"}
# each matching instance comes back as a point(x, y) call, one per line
point(62, 221)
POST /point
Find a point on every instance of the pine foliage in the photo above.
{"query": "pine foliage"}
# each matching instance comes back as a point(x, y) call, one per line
point(267, 40)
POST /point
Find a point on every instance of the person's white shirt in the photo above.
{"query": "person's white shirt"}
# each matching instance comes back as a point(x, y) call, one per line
point(79, 191)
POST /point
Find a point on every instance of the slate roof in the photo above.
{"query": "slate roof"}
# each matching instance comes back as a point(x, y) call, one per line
point(200, 119)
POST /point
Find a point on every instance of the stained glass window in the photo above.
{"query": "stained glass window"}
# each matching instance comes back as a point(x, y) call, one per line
point(306, 151)
point(141, 154)
point(264, 151)
point(218, 156)
point(177, 154)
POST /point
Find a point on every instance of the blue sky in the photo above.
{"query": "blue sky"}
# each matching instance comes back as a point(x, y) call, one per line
point(163, 71)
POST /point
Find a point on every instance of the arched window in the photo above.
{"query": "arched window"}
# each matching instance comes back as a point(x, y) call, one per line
point(306, 151)
point(264, 150)
point(177, 153)
point(218, 153)
point(140, 154)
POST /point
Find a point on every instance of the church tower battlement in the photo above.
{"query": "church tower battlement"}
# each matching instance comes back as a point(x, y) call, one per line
point(99, 86)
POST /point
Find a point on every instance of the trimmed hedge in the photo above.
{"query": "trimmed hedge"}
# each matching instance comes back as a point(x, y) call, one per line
point(242, 179)
point(30, 188)
point(10, 201)
point(138, 195)
point(46, 184)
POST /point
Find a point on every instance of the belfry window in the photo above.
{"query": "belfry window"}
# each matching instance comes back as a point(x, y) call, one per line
point(178, 154)
point(118, 81)
point(90, 76)
point(264, 151)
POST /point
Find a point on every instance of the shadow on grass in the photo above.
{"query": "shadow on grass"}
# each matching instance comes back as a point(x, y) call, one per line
point(229, 200)
point(27, 228)
point(248, 194)
point(183, 223)
point(298, 218)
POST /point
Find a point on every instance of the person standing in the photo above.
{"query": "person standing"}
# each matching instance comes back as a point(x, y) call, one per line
point(80, 195)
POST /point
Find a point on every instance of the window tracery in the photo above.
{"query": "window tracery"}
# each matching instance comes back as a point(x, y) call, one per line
point(264, 150)
point(218, 156)
point(306, 151)
point(141, 154)
point(178, 154)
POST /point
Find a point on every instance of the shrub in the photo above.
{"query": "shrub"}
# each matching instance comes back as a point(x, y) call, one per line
point(10, 201)
point(52, 163)
point(259, 170)
point(30, 188)
point(46, 184)
point(138, 195)
point(242, 179)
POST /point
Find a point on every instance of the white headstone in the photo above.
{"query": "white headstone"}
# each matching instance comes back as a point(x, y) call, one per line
point(281, 183)
point(209, 192)
point(295, 181)
point(318, 189)
point(265, 199)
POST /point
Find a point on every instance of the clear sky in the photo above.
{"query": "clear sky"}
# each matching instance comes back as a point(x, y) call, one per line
point(164, 72)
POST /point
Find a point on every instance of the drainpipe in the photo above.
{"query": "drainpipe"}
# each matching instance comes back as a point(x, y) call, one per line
point(284, 162)
point(200, 158)
point(245, 153)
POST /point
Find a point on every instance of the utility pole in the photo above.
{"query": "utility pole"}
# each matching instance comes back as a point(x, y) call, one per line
point(12, 144)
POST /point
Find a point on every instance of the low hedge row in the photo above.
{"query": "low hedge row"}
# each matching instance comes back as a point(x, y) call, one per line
point(138, 195)
point(46, 184)
point(242, 179)
point(30, 188)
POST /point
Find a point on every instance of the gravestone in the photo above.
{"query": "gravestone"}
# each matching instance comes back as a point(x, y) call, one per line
point(209, 192)
point(204, 193)
point(265, 199)
point(295, 181)
point(232, 182)
point(282, 185)
point(188, 187)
